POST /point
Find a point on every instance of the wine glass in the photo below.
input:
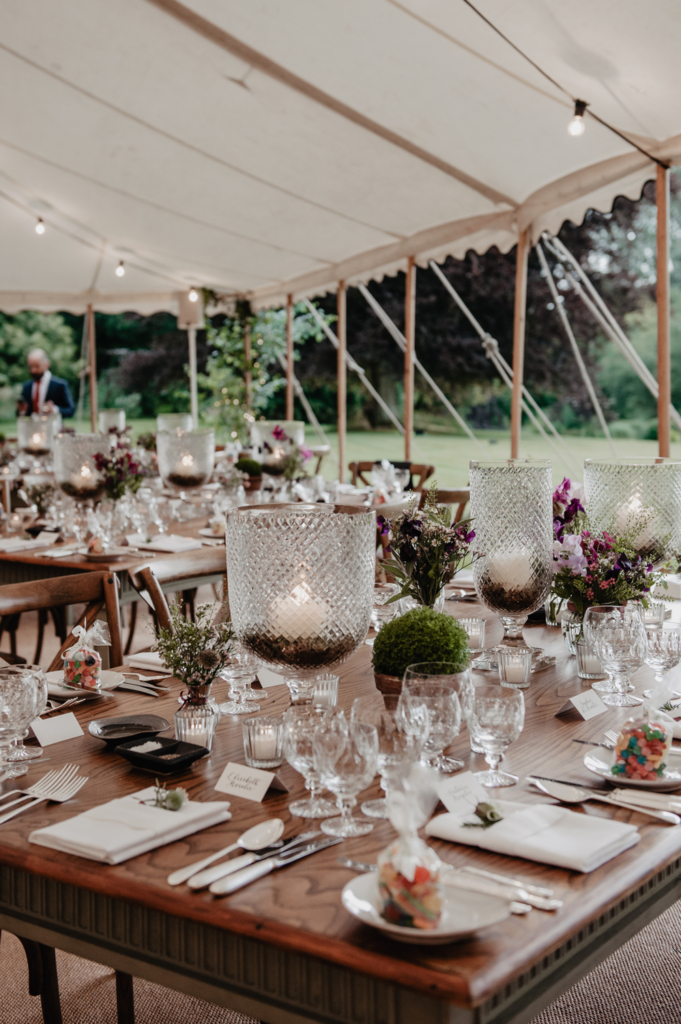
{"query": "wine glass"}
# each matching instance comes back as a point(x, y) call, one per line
point(17, 701)
point(396, 745)
point(496, 720)
point(36, 682)
point(299, 727)
point(663, 654)
point(437, 686)
point(621, 645)
point(382, 611)
point(346, 757)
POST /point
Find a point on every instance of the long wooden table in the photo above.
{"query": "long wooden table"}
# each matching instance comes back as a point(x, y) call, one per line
point(283, 949)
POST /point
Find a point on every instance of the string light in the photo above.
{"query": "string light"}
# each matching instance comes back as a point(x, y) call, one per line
point(193, 295)
point(120, 269)
point(577, 126)
point(40, 227)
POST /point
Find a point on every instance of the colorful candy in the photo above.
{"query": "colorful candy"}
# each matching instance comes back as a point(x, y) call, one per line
point(409, 884)
point(641, 750)
point(82, 668)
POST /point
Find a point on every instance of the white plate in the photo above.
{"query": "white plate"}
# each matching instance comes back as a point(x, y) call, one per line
point(109, 555)
point(55, 683)
point(464, 913)
point(207, 532)
point(600, 761)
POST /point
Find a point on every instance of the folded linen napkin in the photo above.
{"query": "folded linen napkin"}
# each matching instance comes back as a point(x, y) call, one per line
point(124, 828)
point(542, 832)
point(151, 660)
point(12, 544)
point(171, 543)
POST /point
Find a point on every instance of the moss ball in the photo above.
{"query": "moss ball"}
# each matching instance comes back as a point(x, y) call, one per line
point(420, 635)
point(249, 466)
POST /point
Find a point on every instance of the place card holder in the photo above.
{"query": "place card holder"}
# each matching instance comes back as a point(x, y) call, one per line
point(586, 705)
point(249, 783)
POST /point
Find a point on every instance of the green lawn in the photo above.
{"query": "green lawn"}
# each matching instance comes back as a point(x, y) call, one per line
point(448, 453)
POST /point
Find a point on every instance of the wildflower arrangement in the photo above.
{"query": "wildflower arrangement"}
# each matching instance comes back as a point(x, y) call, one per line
point(195, 651)
point(121, 471)
point(426, 550)
point(283, 457)
point(594, 568)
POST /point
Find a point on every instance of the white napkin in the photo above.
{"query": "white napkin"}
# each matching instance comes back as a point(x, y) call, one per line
point(542, 832)
point(63, 551)
point(170, 543)
point(12, 544)
point(124, 828)
point(146, 659)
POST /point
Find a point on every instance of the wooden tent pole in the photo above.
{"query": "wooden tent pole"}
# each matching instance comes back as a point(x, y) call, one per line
point(519, 313)
point(289, 357)
point(409, 334)
point(341, 327)
point(92, 361)
point(248, 374)
point(664, 366)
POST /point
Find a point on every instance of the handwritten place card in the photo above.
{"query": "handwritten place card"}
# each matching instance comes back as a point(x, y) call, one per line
point(249, 783)
point(269, 678)
point(587, 704)
point(54, 730)
point(462, 793)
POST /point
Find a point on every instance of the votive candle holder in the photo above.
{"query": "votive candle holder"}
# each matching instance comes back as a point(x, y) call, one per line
point(263, 741)
point(515, 666)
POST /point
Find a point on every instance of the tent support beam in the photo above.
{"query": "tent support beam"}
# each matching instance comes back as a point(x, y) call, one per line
point(397, 335)
point(341, 356)
point(355, 367)
point(193, 386)
point(92, 362)
point(560, 307)
point(409, 355)
point(289, 357)
point(248, 373)
point(519, 317)
point(664, 366)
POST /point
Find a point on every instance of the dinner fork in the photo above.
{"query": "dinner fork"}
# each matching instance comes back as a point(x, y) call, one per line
point(57, 793)
point(53, 778)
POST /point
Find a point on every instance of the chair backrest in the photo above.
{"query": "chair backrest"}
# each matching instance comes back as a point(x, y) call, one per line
point(97, 590)
point(177, 572)
point(459, 497)
point(416, 469)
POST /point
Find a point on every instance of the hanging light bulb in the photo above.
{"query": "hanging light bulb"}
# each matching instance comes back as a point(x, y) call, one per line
point(40, 227)
point(120, 269)
point(193, 295)
point(577, 126)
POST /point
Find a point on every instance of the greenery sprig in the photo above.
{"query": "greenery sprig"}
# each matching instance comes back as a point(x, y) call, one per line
point(487, 813)
point(195, 651)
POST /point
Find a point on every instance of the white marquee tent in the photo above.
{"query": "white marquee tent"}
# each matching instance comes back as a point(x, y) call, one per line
point(275, 147)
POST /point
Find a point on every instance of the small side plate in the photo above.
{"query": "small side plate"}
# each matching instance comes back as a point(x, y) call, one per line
point(600, 762)
point(127, 727)
point(56, 687)
point(110, 555)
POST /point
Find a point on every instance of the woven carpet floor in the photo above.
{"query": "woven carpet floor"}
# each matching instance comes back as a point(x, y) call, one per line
point(640, 984)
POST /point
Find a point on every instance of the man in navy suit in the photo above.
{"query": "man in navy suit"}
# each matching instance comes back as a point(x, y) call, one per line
point(44, 393)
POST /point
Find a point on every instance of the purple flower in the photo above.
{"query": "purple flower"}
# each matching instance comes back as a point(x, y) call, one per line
point(279, 434)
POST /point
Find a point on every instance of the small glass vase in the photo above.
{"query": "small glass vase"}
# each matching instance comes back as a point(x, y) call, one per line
point(198, 717)
point(406, 604)
point(571, 624)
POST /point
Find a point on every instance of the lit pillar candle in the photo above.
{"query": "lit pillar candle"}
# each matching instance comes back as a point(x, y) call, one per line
point(298, 614)
point(84, 479)
point(512, 569)
point(264, 743)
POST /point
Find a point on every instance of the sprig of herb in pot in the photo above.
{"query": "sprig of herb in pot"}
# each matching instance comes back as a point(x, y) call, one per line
point(195, 651)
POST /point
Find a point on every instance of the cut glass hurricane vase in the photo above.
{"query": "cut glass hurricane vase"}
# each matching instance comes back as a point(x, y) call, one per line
point(301, 584)
point(512, 512)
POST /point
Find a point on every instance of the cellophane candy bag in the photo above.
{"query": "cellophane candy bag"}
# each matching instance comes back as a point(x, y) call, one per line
point(642, 747)
point(82, 663)
point(410, 890)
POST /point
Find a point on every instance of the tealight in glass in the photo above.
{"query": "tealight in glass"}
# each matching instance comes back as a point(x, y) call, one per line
point(515, 666)
point(476, 633)
point(263, 741)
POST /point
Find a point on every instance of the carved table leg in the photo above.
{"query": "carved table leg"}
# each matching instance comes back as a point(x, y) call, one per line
point(125, 998)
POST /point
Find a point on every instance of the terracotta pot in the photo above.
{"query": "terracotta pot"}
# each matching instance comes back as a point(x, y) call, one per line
point(387, 684)
point(254, 483)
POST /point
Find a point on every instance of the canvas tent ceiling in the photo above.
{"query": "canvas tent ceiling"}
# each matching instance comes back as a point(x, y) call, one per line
point(264, 147)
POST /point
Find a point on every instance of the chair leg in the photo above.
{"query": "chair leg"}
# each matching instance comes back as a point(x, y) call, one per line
point(59, 619)
point(125, 998)
point(131, 631)
point(42, 622)
point(189, 597)
point(42, 978)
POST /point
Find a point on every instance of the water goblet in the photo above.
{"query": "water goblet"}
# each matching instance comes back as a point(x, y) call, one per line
point(35, 680)
point(17, 702)
point(434, 683)
point(496, 720)
point(396, 745)
point(595, 620)
point(663, 653)
point(382, 611)
point(622, 647)
point(346, 757)
point(299, 727)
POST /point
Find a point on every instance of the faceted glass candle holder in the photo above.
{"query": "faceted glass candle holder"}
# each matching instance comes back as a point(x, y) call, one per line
point(174, 421)
point(512, 510)
point(263, 741)
point(640, 497)
point(301, 582)
point(652, 616)
point(515, 667)
point(325, 693)
point(588, 663)
point(476, 633)
point(111, 419)
point(74, 464)
point(185, 460)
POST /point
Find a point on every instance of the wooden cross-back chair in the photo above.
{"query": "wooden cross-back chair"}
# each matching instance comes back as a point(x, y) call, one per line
point(416, 469)
point(172, 573)
point(97, 590)
point(459, 497)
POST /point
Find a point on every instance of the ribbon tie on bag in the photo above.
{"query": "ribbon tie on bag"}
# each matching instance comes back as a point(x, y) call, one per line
point(97, 636)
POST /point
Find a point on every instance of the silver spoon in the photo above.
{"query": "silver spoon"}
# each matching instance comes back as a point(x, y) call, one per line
point(256, 838)
point(576, 795)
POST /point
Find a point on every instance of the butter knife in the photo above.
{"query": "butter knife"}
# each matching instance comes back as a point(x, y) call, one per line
point(264, 867)
point(202, 879)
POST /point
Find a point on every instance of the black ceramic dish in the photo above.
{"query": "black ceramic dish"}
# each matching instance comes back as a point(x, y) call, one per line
point(115, 730)
point(174, 756)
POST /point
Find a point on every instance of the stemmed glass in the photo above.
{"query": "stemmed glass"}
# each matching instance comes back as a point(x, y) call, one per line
point(17, 701)
point(663, 654)
point(621, 645)
point(36, 682)
point(239, 671)
point(299, 727)
point(396, 745)
point(596, 619)
point(437, 686)
point(496, 720)
point(346, 757)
